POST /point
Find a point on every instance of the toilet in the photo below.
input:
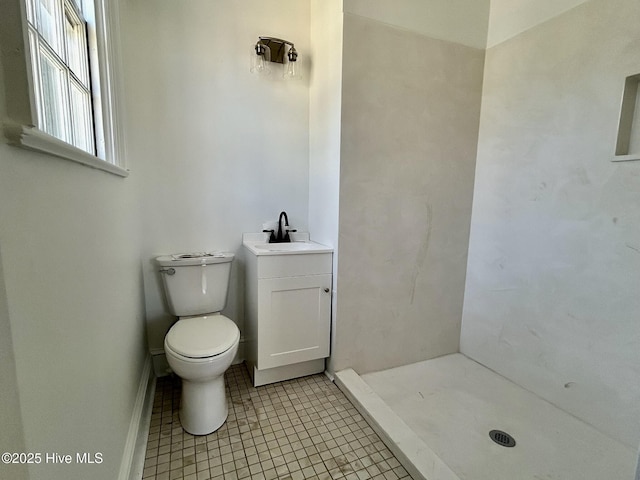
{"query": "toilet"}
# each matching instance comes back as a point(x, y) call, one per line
point(202, 344)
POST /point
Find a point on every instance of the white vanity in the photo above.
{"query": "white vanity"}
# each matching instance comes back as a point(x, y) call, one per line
point(288, 307)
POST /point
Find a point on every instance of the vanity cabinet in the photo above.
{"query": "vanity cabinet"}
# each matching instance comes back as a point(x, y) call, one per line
point(287, 314)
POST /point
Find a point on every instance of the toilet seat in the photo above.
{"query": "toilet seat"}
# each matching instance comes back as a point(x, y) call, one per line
point(202, 337)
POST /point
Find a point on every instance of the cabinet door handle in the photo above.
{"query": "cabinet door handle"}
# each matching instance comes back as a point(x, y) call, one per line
point(326, 290)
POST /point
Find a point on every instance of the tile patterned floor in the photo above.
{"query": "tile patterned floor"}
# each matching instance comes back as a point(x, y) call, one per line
point(298, 429)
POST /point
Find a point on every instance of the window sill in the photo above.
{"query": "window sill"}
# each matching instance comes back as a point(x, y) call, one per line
point(31, 138)
point(626, 158)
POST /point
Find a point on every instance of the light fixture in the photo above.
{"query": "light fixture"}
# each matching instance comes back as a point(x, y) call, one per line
point(272, 50)
point(260, 59)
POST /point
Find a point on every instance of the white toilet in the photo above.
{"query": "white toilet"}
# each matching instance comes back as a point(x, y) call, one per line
point(201, 345)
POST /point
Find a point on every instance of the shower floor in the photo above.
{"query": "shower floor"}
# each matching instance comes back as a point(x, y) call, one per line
point(437, 416)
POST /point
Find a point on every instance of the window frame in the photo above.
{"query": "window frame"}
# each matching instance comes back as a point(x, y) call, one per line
point(73, 74)
point(20, 127)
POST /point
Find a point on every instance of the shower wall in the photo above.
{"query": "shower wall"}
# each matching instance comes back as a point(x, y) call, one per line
point(410, 112)
point(552, 295)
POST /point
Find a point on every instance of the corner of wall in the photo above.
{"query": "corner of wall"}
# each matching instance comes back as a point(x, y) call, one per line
point(12, 438)
point(132, 464)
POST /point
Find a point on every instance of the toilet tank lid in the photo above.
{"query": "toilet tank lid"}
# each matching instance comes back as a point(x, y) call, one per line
point(199, 337)
point(195, 258)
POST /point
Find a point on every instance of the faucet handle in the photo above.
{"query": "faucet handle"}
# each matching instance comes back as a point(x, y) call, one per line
point(286, 236)
point(272, 237)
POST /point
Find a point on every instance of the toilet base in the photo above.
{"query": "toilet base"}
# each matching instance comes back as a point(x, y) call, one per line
point(203, 406)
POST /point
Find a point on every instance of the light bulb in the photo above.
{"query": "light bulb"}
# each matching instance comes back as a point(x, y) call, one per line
point(290, 70)
point(259, 60)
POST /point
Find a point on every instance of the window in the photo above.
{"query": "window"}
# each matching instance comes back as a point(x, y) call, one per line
point(63, 93)
point(60, 65)
point(628, 142)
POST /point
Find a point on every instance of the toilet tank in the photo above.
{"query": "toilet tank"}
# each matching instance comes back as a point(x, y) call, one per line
point(195, 283)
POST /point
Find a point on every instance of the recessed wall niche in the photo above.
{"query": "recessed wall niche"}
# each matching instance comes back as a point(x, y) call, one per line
point(628, 142)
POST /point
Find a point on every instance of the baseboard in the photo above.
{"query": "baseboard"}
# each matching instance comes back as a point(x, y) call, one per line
point(160, 365)
point(285, 372)
point(135, 449)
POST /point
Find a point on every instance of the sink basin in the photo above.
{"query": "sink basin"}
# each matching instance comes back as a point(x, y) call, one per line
point(301, 246)
point(287, 247)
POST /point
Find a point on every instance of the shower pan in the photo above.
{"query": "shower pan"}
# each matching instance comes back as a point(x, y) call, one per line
point(437, 415)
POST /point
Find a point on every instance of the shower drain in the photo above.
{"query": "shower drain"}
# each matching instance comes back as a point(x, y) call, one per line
point(502, 438)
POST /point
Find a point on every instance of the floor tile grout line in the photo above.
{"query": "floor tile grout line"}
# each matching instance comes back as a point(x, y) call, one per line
point(299, 420)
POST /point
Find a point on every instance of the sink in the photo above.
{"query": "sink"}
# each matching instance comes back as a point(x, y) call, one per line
point(288, 291)
point(286, 247)
point(258, 246)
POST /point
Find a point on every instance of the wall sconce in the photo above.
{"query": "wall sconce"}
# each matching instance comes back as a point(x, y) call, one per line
point(272, 50)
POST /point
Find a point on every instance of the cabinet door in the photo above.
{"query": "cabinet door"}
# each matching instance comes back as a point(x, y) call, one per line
point(294, 316)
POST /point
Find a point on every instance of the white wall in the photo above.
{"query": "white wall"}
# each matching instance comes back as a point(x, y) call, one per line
point(325, 90)
point(12, 438)
point(410, 113)
point(71, 318)
point(325, 102)
point(552, 295)
point(11, 426)
point(216, 150)
point(459, 21)
point(508, 18)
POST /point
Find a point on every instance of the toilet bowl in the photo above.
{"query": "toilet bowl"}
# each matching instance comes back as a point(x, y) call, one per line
point(199, 350)
point(202, 344)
